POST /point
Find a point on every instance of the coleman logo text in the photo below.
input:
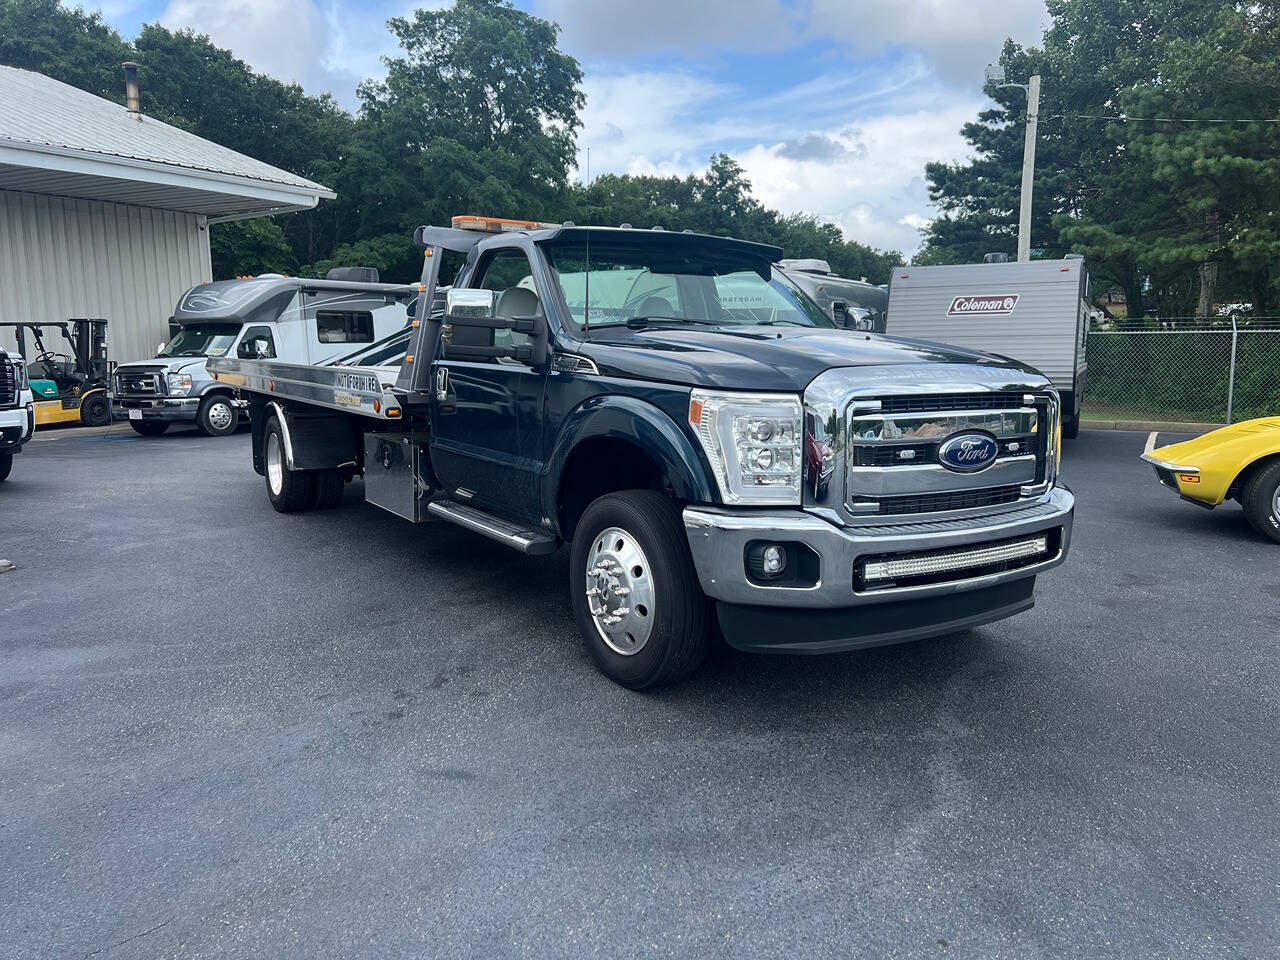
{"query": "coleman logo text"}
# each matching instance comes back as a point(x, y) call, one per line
point(998, 305)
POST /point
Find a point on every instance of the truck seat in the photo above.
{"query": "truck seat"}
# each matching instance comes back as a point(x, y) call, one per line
point(655, 306)
point(517, 302)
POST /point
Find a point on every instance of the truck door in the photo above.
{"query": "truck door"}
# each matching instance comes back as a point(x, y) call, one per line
point(486, 416)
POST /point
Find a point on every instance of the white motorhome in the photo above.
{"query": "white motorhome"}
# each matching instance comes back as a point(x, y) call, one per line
point(291, 319)
point(1036, 313)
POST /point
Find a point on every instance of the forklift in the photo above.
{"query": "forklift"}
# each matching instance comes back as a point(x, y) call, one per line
point(67, 387)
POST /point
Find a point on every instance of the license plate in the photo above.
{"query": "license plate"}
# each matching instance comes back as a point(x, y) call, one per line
point(135, 414)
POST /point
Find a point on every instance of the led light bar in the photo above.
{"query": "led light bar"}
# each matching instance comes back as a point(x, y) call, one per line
point(954, 560)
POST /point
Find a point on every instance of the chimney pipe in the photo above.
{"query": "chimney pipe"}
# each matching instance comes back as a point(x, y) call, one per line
point(131, 87)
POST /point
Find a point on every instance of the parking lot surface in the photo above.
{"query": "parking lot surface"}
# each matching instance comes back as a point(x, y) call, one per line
point(229, 732)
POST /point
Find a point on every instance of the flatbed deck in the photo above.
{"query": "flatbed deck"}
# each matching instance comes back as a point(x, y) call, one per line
point(350, 389)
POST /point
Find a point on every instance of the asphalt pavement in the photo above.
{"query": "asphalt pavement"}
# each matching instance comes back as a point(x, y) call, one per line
point(225, 732)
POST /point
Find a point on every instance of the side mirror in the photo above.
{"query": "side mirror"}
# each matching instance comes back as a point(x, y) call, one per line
point(860, 319)
point(411, 309)
point(467, 305)
point(840, 313)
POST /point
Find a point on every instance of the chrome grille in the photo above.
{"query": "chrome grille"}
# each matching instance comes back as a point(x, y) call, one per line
point(892, 463)
point(937, 502)
point(8, 383)
point(927, 403)
point(133, 383)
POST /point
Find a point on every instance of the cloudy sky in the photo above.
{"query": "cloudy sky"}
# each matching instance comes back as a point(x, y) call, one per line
point(833, 106)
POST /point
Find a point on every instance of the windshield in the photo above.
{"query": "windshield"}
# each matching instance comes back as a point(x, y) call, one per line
point(202, 340)
point(640, 285)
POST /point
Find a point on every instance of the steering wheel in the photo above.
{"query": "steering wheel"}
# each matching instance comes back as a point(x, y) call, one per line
point(48, 356)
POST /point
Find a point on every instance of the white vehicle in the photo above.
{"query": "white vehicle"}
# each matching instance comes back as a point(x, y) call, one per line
point(852, 304)
point(17, 409)
point(1036, 312)
point(268, 317)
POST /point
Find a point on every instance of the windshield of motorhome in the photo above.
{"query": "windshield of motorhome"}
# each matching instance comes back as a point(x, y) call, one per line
point(639, 286)
point(202, 340)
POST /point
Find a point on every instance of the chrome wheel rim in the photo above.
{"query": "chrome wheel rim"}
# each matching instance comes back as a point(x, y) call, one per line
point(620, 592)
point(220, 415)
point(1275, 503)
point(275, 463)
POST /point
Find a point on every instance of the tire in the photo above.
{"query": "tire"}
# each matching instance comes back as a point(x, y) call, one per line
point(289, 490)
point(328, 488)
point(6, 464)
point(95, 410)
point(1261, 501)
point(653, 563)
point(217, 417)
point(1071, 427)
point(149, 428)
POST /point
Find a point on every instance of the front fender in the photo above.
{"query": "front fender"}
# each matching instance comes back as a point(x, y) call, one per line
point(642, 424)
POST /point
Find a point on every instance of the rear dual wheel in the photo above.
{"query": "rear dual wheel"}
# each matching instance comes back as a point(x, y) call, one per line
point(293, 490)
point(635, 592)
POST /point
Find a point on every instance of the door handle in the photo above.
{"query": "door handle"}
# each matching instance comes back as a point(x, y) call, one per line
point(443, 401)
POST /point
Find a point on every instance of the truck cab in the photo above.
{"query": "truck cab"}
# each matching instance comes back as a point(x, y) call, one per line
point(17, 409)
point(264, 317)
point(706, 441)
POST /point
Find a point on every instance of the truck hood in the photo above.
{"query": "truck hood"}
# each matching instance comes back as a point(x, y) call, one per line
point(762, 358)
point(191, 365)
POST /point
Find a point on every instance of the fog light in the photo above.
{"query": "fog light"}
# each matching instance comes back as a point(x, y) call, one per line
point(773, 562)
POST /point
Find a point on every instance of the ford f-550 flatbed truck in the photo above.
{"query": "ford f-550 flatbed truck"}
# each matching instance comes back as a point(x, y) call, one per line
point(710, 445)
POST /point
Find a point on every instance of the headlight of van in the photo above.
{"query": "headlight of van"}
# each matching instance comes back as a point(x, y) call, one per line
point(179, 383)
point(753, 442)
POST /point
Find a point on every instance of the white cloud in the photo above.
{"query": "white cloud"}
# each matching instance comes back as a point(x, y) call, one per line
point(292, 40)
point(877, 193)
point(955, 37)
point(625, 27)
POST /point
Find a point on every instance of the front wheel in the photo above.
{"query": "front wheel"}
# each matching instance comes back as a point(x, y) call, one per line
point(289, 490)
point(149, 428)
point(216, 416)
point(1071, 427)
point(95, 410)
point(6, 464)
point(635, 592)
point(1261, 501)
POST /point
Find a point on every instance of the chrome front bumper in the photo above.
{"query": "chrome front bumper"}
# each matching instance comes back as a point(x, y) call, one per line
point(718, 539)
point(156, 408)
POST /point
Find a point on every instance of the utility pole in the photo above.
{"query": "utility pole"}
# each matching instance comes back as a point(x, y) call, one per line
point(995, 76)
point(1028, 169)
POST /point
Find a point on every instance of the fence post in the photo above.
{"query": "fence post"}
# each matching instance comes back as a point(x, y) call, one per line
point(1231, 376)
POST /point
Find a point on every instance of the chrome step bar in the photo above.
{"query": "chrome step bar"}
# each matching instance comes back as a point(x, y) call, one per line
point(527, 540)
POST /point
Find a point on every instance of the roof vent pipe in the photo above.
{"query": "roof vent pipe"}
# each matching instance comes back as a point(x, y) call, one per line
point(131, 87)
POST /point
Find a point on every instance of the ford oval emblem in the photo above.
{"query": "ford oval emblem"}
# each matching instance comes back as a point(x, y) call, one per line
point(968, 452)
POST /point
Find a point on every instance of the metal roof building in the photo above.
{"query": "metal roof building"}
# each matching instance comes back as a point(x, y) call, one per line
point(105, 212)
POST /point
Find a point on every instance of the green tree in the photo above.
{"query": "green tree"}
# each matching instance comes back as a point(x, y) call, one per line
point(67, 44)
point(479, 112)
point(243, 247)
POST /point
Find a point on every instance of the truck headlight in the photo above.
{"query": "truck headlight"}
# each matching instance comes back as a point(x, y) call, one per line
point(179, 383)
point(753, 442)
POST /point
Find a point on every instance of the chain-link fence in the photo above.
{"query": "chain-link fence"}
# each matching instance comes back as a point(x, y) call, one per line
point(1216, 371)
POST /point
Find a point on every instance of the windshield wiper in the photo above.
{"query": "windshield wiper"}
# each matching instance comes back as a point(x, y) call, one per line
point(639, 323)
point(774, 323)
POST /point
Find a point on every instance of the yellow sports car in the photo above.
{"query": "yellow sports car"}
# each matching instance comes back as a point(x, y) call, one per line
point(1239, 462)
